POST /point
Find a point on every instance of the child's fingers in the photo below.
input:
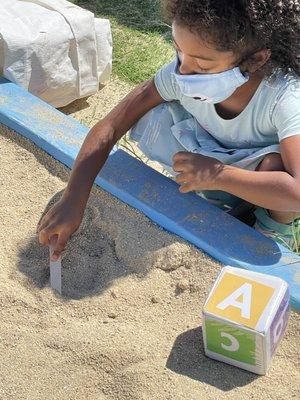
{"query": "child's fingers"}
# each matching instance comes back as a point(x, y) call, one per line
point(42, 225)
point(186, 188)
point(53, 240)
point(47, 233)
point(182, 178)
point(44, 236)
point(180, 166)
point(181, 155)
point(39, 223)
point(60, 246)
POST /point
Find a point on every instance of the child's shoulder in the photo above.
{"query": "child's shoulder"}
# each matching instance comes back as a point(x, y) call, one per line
point(284, 102)
point(282, 84)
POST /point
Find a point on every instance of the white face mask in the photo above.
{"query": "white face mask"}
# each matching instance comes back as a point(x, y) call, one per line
point(210, 88)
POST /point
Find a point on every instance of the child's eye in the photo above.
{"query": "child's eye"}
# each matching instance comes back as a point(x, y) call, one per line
point(178, 51)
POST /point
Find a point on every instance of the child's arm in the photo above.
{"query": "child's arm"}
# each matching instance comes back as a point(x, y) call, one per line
point(64, 218)
point(274, 190)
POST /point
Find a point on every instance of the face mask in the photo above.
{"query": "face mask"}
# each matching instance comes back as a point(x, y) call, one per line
point(210, 88)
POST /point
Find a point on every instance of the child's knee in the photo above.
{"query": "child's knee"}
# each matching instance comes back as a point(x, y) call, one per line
point(272, 162)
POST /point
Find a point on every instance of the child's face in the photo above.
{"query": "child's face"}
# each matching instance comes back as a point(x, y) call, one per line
point(197, 57)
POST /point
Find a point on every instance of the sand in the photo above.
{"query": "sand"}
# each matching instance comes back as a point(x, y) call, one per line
point(128, 325)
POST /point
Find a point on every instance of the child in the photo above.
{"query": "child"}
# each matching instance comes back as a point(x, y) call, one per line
point(224, 116)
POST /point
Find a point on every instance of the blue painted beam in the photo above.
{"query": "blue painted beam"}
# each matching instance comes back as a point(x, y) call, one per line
point(210, 229)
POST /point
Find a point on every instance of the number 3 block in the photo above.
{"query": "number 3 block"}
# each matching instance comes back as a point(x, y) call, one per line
point(244, 318)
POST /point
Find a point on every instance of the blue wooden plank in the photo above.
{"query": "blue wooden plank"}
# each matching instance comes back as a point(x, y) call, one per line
point(210, 229)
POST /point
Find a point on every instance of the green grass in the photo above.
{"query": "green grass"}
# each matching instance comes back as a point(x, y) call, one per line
point(141, 37)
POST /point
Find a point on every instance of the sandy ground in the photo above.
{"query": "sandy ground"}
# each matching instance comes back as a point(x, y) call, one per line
point(128, 325)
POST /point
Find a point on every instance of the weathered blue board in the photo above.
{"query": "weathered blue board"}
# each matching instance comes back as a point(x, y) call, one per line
point(212, 230)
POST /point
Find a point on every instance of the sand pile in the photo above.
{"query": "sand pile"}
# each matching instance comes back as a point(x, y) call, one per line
point(128, 324)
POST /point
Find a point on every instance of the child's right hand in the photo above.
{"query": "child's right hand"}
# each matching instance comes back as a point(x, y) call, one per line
point(58, 224)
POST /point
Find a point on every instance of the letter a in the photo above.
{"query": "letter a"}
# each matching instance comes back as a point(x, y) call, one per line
point(232, 300)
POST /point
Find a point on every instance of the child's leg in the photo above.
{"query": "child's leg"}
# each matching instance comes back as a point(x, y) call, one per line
point(283, 227)
point(273, 162)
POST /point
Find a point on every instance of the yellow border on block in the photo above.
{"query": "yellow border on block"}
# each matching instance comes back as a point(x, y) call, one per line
point(261, 294)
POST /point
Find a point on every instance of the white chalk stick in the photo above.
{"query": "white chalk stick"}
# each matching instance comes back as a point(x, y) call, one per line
point(55, 272)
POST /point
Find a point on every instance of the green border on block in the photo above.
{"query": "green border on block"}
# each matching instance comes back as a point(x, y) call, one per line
point(247, 341)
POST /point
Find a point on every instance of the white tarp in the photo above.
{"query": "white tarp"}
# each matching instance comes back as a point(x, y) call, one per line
point(54, 49)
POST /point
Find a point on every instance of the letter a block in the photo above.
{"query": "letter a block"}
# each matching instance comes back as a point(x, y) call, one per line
point(244, 318)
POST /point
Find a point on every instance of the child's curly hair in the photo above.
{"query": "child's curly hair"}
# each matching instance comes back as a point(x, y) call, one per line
point(245, 26)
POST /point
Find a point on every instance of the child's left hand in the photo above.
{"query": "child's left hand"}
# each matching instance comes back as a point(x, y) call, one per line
point(196, 172)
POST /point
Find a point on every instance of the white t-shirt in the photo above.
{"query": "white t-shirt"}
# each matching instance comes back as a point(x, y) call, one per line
point(272, 114)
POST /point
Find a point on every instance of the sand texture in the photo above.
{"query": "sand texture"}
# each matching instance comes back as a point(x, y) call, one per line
point(128, 325)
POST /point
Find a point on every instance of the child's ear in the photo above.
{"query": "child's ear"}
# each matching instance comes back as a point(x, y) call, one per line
point(255, 61)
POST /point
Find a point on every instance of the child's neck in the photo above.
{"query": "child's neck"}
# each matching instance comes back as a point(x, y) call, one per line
point(236, 103)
